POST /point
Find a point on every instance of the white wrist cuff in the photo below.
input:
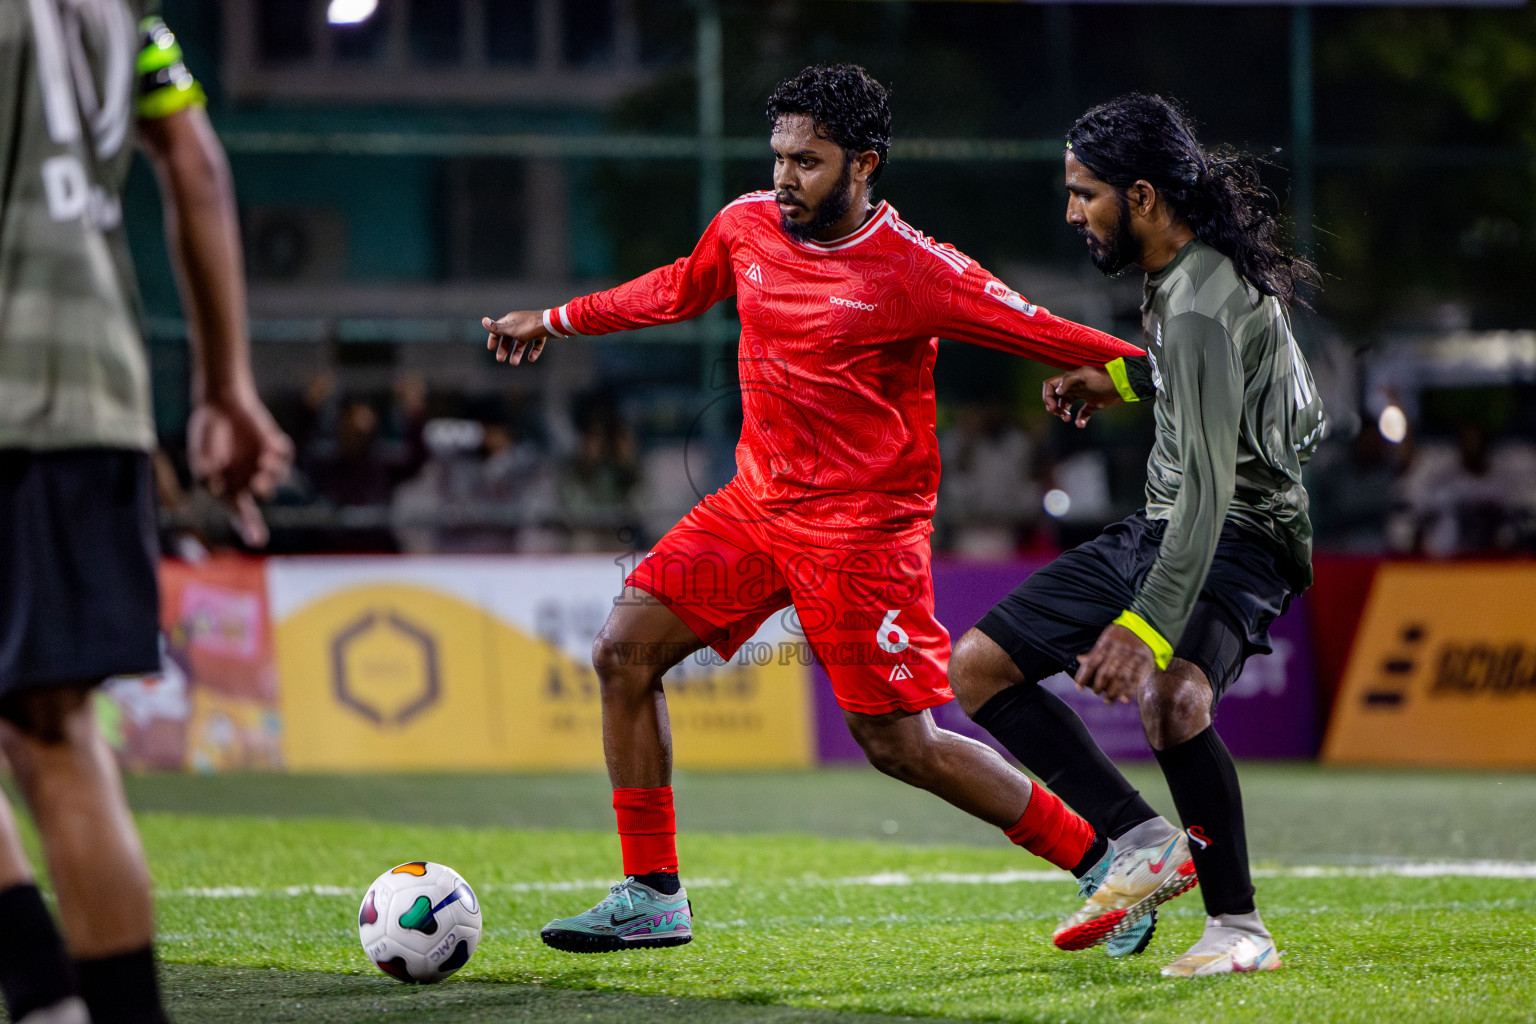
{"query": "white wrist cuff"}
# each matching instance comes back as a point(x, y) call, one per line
point(549, 325)
point(557, 321)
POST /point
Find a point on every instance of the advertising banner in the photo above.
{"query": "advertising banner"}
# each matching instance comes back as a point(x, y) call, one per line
point(1270, 712)
point(484, 662)
point(213, 706)
point(1443, 671)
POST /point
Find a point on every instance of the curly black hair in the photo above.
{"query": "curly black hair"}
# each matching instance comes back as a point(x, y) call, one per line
point(844, 102)
point(1218, 193)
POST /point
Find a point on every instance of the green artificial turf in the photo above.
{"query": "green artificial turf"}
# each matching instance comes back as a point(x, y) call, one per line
point(798, 921)
point(1297, 813)
point(222, 994)
point(826, 897)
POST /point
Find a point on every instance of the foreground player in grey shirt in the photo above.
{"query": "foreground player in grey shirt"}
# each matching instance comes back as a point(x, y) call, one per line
point(1164, 607)
point(80, 82)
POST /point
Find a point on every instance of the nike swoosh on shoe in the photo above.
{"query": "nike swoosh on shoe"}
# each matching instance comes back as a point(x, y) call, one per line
point(1255, 965)
point(1156, 866)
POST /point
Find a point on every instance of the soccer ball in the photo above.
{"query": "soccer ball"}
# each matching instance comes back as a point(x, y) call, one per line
point(419, 922)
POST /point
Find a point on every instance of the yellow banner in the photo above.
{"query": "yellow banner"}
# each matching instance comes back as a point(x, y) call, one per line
point(1443, 670)
point(438, 664)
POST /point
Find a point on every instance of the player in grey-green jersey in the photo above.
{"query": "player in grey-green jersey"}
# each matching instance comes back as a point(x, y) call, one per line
point(80, 82)
point(1164, 607)
point(72, 367)
point(1237, 416)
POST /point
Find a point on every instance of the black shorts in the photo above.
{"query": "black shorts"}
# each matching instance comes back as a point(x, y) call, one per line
point(79, 600)
point(1059, 612)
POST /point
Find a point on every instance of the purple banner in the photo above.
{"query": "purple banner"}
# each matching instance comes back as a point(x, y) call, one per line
point(1270, 712)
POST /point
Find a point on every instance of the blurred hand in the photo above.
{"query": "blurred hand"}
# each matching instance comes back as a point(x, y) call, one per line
point(1116, 666)
point(514, 333)
point(1090, 385)
point(237, 450)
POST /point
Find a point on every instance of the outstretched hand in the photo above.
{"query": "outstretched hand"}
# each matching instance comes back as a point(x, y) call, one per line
point(1116, 666)
point(515, 333)
point(237, 449)
point(1089, 385)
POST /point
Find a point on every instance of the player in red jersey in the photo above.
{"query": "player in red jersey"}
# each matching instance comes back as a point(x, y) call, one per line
point(841, 305)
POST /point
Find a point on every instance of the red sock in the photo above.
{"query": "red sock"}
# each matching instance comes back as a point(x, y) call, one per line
point(1049, 830)
point(647, 830)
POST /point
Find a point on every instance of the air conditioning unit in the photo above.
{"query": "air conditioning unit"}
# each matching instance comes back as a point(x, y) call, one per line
point(295, 243)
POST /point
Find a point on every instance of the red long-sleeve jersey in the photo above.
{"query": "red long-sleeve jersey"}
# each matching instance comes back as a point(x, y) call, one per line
point(838, 341)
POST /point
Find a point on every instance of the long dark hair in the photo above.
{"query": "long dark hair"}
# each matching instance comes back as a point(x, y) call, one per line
point(844, 103)
point(1217, 192)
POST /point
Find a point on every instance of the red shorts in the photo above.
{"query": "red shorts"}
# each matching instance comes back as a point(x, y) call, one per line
point(867, 615)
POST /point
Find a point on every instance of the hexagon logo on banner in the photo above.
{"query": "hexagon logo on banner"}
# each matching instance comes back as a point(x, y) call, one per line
point(385, 668)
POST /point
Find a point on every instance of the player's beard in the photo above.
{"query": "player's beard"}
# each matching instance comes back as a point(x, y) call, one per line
point(1112, 255)
point(828, 212)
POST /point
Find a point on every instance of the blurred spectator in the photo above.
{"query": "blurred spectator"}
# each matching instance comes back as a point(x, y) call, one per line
point(510, 463)
point(1460, 505)
point(988, 497)
point(419, 471)
point(319, 414)
point(1357, 494)
point(445, 481)
point(598, 482)
point(406, 419)
point(517, 478)
point(673, 480)
point(353, 472)
point(482, 487)
point(1514, 462)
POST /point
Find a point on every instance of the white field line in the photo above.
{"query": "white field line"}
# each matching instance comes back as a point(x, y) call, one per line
point(228, 892)
point(1394, 869)
point(1409, 869)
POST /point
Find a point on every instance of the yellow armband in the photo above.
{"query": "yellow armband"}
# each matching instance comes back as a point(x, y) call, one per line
point(165, 84)
point(1116, 368)
point(1162, 650)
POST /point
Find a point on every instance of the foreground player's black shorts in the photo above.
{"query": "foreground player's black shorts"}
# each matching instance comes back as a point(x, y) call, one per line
point(1059, 612)
point(78, 595)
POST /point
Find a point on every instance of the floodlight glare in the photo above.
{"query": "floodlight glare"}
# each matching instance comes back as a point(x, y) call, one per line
point(1057, 503)
point(1393, 424)
point(350, 12)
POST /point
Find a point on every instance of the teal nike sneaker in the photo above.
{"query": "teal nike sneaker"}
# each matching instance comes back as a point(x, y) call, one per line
point(631, 916)
point(1135, 938)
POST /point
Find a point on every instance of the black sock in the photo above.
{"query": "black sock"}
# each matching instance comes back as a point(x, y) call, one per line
point(1047, 737)
point(1095, 854)
point(664, 882)
point(122, 989)
point(1203, 781)
point(34, 969)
